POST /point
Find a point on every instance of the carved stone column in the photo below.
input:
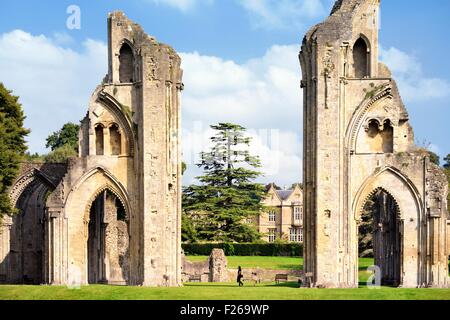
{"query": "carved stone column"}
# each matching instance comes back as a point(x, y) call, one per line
point(5, 231)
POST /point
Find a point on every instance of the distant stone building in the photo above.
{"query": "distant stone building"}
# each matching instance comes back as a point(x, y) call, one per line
point(359, 149)
point(283, 215)
point(113, 214)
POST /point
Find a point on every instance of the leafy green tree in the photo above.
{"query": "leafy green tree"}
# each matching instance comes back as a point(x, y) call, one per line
point(447, 162)
point(35, 157)
point(68, 135)
point(227, 198)
point(61, 154)
point(434, 158)
point(12, 144)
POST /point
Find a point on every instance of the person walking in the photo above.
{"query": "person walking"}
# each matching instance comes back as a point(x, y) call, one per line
point(239, 277)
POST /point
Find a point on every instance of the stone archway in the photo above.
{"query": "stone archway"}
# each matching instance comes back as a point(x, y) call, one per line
point(380, 235)
point(104, 220)
point(400, 229)
point(108, 240)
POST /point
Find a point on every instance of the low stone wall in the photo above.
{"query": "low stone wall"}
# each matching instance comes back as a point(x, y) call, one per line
point(215, 269)
point(264, 275)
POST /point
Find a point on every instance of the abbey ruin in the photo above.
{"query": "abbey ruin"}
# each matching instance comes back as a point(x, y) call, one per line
point(359, 147)
point(113, 214)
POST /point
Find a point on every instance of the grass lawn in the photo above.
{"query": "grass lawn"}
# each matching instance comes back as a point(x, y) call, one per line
point(221, 291)
point(227, 291)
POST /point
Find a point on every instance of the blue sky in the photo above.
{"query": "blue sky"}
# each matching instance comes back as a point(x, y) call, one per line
point(244, 50)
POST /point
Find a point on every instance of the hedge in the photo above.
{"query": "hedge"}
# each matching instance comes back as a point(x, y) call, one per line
point(245, 249)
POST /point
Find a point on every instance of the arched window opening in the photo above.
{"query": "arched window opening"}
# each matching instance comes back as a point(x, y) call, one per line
point(380, 138)
point(126, 67)
point(115, 140)
point(361, 59)
point(99, 141)
point(387, 136)
point(379, 236)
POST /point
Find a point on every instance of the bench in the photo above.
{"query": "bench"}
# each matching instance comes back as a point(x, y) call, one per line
point(281, 277)
point(195, 278)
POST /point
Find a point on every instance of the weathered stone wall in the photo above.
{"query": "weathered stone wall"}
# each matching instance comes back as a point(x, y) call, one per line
point(358, 140)
point(214, 269)
point(129, 146)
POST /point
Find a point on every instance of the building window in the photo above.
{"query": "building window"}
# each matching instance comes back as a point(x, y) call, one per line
point(272, 235)
point(296, 235)
point(297, 214)
point(272, 216)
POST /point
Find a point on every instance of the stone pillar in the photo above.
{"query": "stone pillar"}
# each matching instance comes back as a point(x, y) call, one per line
point(218, 266)
point(113, 269)
point(55, 247)
point(5, 230)
point(106, 142)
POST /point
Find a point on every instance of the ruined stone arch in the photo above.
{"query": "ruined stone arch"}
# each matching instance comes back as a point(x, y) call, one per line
point(392, 181)
point(380, 96)
point(112, 189)
point(26, 229)
point(124, 120)
point(410, 215)
point(24, 181)
point(110, 181)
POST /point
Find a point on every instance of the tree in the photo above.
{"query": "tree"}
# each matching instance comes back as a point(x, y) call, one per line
point(68, 135)
point(228, 198)
point(61, 154)
point(447, 162)
point(434, 158)
point(12, 144)
point(63, 143)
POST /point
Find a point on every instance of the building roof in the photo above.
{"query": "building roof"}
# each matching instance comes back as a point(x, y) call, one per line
point(284, 194)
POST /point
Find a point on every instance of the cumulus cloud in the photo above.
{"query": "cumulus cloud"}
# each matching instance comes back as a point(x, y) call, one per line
point(182, 5)
point(54, 83)
point(414, 84)
point(276, 14)
point(262, 95)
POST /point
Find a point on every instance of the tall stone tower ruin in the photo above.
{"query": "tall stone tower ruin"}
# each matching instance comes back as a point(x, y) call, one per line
point(360, 157)
point(113, 214)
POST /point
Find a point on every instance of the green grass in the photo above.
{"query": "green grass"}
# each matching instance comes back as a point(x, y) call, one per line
point(267, 291)
point(271, 263)
point(227, 291)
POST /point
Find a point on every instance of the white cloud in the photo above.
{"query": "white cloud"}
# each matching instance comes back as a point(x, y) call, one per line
point(54, 83)
point(182, 5)
point(413, 83)
point(262, 95)
point(276, 14)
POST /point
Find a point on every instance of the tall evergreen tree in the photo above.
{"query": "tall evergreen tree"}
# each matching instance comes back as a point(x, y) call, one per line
point(228, 198)
point(12, 144)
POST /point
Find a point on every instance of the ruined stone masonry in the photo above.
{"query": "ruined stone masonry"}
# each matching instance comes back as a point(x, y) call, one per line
point(113, 214)
point(359, 147)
